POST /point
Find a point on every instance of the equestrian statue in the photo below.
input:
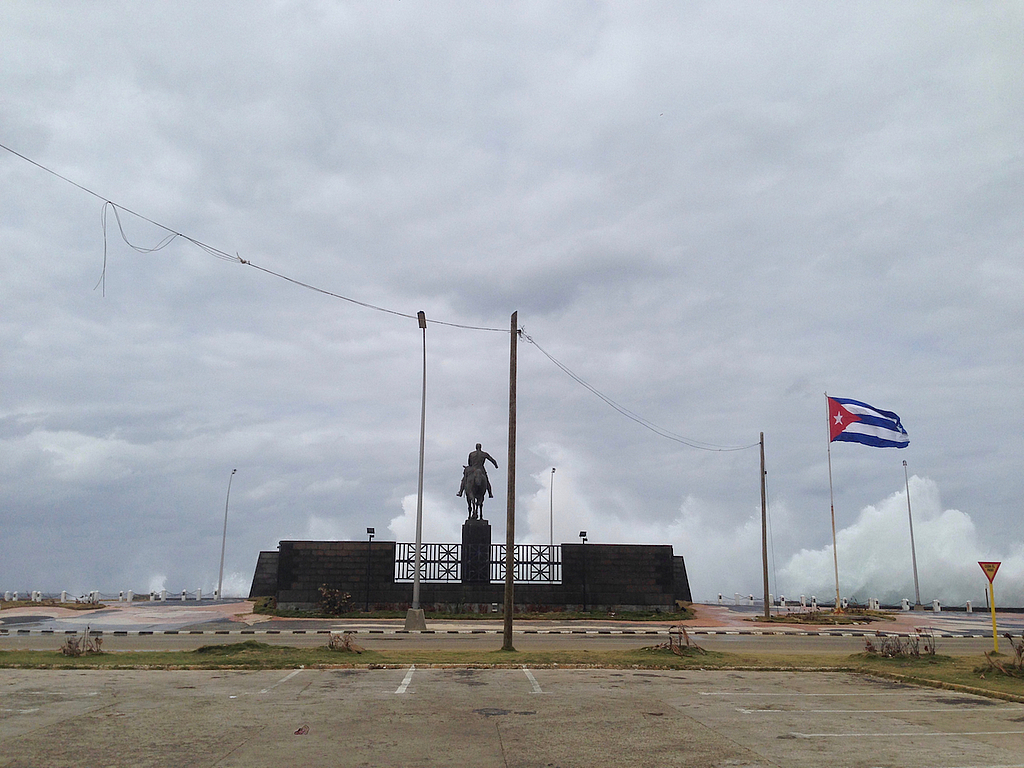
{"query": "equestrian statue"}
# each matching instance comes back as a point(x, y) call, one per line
point(475, 482)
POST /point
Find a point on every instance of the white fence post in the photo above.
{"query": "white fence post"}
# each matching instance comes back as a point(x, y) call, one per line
point(936, 607)
point(64, 596)
point(904, 604)
point(814, 602)
point(970, 609)
point(163, 595)
point(199, 593)
point(184, 595)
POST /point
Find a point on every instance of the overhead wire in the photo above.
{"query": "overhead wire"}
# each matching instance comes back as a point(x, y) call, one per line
point(692, 443)
point(173, 234)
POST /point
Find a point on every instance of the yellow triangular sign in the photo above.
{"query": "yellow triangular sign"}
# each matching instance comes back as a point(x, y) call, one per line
point(989, 569)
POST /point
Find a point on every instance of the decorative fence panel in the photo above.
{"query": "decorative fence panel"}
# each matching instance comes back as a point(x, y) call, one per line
point(438, 562)
point(533, 563)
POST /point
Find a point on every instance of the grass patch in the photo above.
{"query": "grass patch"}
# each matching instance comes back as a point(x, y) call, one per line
point(956, 673)
point(850, 616)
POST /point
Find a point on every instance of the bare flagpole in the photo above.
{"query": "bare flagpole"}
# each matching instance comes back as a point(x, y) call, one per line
point(832, 504)
point(913, 550)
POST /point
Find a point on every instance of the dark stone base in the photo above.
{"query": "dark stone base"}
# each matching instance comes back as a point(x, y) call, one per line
point(476, 552)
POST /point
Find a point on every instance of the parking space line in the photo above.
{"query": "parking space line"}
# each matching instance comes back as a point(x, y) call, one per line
point(748, 693)
point(533, 680)
point(406, 680)
point(860, 711)
point(905, 734)
point(284, 679)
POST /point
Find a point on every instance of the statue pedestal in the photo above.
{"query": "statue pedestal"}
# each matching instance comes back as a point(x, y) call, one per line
point(476, 552)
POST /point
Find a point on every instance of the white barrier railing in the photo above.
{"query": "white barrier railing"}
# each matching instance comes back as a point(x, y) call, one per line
point(96, 596)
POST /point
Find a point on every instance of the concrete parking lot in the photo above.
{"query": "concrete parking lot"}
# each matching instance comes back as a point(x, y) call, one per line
point(494, 717)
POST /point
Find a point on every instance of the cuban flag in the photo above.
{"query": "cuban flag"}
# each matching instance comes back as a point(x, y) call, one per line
point(852, 421)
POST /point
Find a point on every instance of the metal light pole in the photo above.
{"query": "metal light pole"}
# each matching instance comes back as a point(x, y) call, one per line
point(369, 541)
point(224, 539)
point(414, 618)
point(913, 551)
point(583, 535)
point(551, 512)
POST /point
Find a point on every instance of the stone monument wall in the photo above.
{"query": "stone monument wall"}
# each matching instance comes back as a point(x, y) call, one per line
point(594, 576)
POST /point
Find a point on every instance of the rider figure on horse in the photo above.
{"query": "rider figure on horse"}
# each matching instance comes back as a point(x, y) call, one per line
point(476, 460)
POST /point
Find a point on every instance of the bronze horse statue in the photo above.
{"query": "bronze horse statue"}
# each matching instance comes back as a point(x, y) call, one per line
point(476, 487)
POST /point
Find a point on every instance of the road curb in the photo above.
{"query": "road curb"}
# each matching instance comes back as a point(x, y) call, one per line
point(638, 632)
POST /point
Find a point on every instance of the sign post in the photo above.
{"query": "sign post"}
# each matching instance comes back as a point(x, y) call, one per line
point(990, 571)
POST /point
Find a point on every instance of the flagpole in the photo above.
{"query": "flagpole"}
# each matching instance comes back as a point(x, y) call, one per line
point(913, 550)
point(832, 505)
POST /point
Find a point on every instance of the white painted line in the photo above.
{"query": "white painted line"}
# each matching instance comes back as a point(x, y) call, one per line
point(905, 734)
point(284, 679)
point(533, 680)
point(740, 693)
point(857, 711)
point(408, 679)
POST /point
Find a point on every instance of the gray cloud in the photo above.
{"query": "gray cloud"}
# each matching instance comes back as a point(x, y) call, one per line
point(712, 214)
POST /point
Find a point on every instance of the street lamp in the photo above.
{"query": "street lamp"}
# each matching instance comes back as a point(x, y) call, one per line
point(551, 511)
point(414, 617)
point(583, 535)
point(369, 534)
point(224, 539)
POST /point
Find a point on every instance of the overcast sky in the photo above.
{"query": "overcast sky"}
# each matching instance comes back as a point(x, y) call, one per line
point(712, 213)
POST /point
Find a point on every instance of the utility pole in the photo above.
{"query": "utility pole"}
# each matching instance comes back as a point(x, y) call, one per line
point(510, 514)
point(764, 535)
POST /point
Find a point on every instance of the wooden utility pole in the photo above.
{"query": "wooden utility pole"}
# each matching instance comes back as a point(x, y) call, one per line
point(764, 535)
point(510, 515)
